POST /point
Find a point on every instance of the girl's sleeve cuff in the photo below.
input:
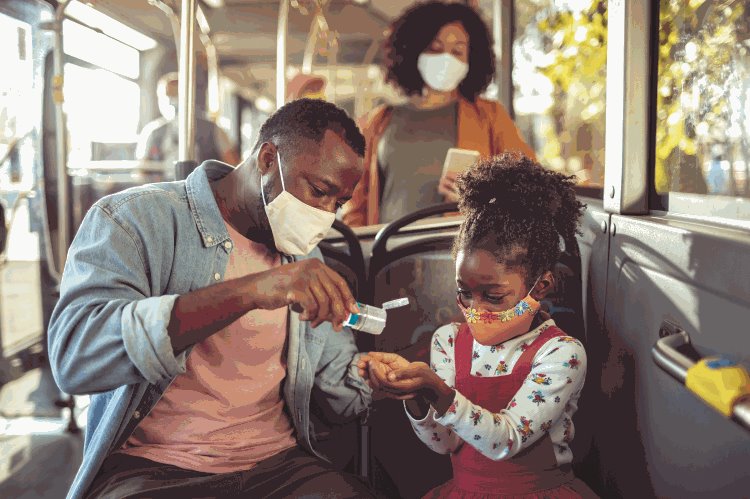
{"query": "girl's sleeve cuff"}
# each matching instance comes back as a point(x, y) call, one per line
point(426, 421)
point(455, 412)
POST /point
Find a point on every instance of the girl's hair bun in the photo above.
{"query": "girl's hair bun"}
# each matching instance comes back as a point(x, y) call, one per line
point(511, 185)
point(519, 211)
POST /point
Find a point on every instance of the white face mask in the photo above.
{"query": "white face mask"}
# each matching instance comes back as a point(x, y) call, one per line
point(296, 226)
point(442, 72)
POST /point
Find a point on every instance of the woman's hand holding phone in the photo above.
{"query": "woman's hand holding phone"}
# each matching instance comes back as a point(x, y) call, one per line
point(447, 187)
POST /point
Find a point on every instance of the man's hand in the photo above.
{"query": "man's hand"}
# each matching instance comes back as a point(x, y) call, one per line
point(309, 285)
point(447, 187)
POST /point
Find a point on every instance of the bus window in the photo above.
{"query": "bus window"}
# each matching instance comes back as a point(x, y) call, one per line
point(110, 114)
point(102, 97)
point(559, 79)
point(703, 108)
point(22, 49)
point(15, 96)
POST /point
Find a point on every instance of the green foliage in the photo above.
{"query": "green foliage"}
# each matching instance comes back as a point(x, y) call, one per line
point(698, 41)
point(575, 45)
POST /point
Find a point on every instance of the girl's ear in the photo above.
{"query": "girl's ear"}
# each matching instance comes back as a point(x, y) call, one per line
point(544, 286)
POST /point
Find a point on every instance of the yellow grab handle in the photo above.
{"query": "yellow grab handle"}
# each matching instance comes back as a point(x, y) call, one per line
point(719, 382)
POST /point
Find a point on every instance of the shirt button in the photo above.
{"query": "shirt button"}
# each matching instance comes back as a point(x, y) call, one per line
point(209, 239)
point(137, 415)
point(228, 245)
point(217, 276)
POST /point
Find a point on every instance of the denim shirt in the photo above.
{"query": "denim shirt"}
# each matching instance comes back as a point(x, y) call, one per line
point(135, 252)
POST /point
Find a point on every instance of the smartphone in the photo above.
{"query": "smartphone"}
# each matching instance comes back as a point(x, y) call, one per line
point(457, 160)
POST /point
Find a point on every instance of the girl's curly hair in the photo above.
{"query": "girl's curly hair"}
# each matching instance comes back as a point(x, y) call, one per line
point(412, 32)
point(518, 211)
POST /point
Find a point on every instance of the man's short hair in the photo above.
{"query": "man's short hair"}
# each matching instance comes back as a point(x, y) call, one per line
point(310, 119)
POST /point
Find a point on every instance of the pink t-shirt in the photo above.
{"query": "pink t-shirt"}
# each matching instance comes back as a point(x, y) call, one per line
point(226, 412)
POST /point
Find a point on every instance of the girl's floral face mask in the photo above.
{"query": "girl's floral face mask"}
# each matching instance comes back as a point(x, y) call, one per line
point(492, 328)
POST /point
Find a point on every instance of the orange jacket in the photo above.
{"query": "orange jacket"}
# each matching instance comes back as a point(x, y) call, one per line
point(483, 126)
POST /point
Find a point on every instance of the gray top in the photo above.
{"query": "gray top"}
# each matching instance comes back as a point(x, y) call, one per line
point(411, 155)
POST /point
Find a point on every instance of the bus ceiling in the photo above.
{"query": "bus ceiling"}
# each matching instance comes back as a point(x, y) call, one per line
point(241, 36)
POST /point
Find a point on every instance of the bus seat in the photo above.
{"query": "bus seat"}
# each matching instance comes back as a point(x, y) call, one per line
point(418, 265)
point(334, 440)
point(349, 263)
point(565, 303)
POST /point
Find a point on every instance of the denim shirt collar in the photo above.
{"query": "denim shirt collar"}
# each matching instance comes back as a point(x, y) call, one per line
point(203, 205)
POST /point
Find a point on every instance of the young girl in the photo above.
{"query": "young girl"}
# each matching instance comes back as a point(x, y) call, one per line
point(502, 387)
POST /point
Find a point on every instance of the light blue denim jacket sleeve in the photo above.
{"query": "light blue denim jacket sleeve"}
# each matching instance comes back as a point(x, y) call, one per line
point(108, 328)
point(341, 393)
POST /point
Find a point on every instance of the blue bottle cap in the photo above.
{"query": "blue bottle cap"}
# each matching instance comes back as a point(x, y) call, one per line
point(352, 320)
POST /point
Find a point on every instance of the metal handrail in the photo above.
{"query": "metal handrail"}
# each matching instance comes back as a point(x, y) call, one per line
point(667, 356)
point(174, 21)
point(676, 364)
point(186, 83)
point(212, 58)
point(281, 53)
point(61, 146)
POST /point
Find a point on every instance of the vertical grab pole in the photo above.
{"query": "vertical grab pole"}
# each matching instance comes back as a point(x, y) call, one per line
point(61, 150)
point(312, 42)
point(186, 92)
point(281, 53)
point(502, 32)
point(212, 61)
point(63, 194)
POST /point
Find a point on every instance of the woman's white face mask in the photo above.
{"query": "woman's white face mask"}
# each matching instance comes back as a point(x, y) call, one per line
point(296, 226)
point(442, 72)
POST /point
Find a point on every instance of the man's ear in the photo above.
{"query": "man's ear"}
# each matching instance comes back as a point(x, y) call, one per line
point(267, 157)
point(544, 286)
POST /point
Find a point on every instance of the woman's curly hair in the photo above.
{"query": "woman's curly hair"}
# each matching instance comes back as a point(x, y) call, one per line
point(518, 211)
point(412, 32)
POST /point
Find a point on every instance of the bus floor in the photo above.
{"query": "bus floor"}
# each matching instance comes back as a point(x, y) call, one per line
point(38, 456)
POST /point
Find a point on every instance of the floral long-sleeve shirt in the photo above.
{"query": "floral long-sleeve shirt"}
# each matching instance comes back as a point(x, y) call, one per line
point(544, 404)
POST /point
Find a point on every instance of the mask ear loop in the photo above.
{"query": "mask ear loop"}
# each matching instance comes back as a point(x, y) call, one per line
point(531, 290)
point(283, 188)
point(281, 174)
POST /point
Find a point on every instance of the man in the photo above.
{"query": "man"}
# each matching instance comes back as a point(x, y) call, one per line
point(158, 141)
point(163, 271)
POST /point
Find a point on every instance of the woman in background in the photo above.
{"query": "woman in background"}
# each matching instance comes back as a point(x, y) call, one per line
point(440, 56)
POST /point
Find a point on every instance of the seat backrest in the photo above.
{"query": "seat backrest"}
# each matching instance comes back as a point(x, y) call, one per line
point(423, 272)
point(417, 265)
point(345, 257)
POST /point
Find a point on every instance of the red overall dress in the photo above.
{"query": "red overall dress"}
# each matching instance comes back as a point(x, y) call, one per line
point(533, 473)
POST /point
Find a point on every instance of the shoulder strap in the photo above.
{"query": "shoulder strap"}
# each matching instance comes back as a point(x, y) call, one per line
point(463, 351)
point(527, 357)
